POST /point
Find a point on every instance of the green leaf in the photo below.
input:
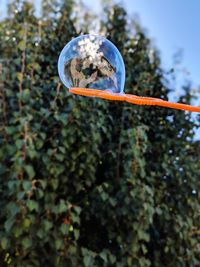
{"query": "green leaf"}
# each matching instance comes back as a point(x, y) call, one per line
point(76, 234)
point(59, 244)
point(39, 143)
point(30, 171)
point(27, 185)
point(41, 234)
point(159, 211)
point(166, 249)
point(63, 207)
point(4, 243)
point(113, 202)
point(47, 225)
point(112, 258)
point(22, 45)
point(103, 255)
point(19, 143)
point(27, 242)
point(8, 224)
point(43, 183)
point(32, 205)
point(13, 208)
point(10, 130)
point(64, 229)
point(87, 260)
point(62, 149)
point(13, 184)
point(72, 249)
point(59, 157)
point(26, 223)
point(17, 231)
point(31, 153)
point(19, 76)
point(77, 209)
point(104, 196)
point(20, 195)
point(54, 183)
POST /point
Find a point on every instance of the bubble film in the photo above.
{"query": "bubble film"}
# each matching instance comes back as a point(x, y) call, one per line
point(91, 61)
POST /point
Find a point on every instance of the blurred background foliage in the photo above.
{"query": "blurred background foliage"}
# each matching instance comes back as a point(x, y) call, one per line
point(87, 182)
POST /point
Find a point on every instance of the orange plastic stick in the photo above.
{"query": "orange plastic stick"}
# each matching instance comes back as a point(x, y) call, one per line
point(133, 99)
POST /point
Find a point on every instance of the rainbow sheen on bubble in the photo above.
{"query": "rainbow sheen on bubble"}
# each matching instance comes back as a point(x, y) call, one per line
point(91, 61)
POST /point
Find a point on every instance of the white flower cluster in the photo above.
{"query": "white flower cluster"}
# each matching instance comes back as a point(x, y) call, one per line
point(89, 49)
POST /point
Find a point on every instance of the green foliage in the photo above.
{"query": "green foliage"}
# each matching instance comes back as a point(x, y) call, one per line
point(87, 182)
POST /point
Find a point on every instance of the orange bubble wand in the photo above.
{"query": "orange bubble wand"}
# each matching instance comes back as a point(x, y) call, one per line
point(133, 99)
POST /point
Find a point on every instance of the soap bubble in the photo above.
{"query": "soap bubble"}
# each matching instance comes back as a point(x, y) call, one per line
point(91, 61)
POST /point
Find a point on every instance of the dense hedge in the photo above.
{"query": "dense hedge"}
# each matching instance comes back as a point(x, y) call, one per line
point(87, 182)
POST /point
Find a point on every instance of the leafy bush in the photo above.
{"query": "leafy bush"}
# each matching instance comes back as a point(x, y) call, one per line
point(87, 182)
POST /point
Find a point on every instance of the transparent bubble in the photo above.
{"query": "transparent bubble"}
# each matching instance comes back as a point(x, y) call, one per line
point(91, 61)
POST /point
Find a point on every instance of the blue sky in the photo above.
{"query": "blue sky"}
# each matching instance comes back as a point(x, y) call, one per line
point(173, 24)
